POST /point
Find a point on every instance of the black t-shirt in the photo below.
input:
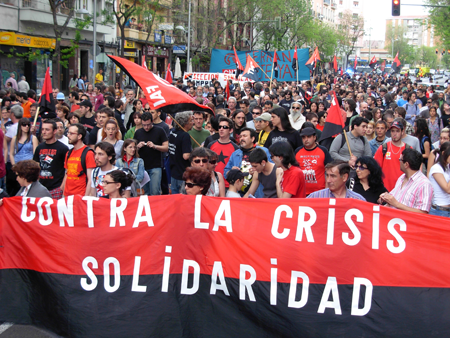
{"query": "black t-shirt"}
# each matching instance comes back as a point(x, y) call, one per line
point(445, 119)
point(371, 195)
point(93, 135)
point(89, 123)
point(215, 137)
point(179, 144)
point(51, 158)
point(286, 104)
point(164, 127)
point(152, 157)
point(292, 137)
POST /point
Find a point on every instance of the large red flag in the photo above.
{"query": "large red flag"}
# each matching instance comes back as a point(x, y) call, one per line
point(312, 61)
point(356, 62)
point(159, 93)
point(46, 102)
point(334, 123)
point(251, 69)
point(396, 65)
point(373, 62)
point(169, 74)
point(335, 64)
point(144, 64)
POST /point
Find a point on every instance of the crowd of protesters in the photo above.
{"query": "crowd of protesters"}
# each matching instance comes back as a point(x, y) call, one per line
point(263, 141)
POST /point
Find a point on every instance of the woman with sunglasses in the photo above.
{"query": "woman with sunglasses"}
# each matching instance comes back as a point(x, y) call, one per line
point(207, 159)
point(322, 119)
point(369, 179)
point(24, 144)
point(197, 181)
point(115, 183)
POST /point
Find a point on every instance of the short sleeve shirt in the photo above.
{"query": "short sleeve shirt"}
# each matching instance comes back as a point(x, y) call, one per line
point(293, 182)
point(76, 185)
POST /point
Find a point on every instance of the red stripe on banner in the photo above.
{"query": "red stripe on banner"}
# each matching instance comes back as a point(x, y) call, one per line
point(147, 235)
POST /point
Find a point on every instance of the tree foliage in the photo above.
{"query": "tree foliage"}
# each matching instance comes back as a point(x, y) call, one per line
point(351, 29)
point(439, 18)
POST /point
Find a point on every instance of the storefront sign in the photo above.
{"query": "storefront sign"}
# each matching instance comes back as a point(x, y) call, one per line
point(160, 52)
point(132, 54)
point(157, 36)
point(167, 39)
point(11, 38)
point(130, 44)
point(179, 49)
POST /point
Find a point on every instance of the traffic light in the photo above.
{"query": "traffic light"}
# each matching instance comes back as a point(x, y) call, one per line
point(395, 7)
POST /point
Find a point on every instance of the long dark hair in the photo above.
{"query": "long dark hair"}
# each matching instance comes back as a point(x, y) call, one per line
point(422, 128)
point(23, 120)
point(444, 153)
point(283, 115)
point(284, 150)
point(376, 174)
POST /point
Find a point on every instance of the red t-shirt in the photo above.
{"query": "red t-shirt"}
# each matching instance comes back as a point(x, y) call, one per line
point(390, 164)
point(224, 152)
point(293, 182)
point(313, 162)
point(76, 185)
point(74, 107)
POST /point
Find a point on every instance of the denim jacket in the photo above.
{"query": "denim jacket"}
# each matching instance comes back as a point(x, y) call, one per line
point(136, 165)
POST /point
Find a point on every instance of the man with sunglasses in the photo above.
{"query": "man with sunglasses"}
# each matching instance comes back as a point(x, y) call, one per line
point(296, 117)
point(223, 147)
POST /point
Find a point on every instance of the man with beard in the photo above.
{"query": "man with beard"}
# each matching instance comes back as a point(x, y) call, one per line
point(388, 156)
point(296, 117)
point(312, 159)
point(239, 159)
point(79, 163)
point(50, 154)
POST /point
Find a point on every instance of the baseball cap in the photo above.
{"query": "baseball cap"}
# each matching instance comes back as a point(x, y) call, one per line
point(85, 103)
point(234, 175)
point(60, 96)
point(397, 125)
point(308, 131)
point(264, 117)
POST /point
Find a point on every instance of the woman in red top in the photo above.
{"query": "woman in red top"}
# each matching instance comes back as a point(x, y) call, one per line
point(291, 181)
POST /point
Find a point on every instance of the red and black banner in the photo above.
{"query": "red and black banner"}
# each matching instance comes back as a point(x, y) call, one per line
point(193, 266)
point(396, 64)
point(334, 124)
point(373, 62)
point(159, 93)
point(47, 109)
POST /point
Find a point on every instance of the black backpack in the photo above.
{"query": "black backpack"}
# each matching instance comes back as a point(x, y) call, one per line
point(362, 138)
point(384, 148)
point(83, 161)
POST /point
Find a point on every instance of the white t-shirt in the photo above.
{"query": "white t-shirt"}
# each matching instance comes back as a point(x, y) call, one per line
point(97, 182)
point(232, 194)
point(64, 140)
point(440, 197)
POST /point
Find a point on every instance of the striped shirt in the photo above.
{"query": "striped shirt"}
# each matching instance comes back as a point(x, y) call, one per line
point(327, 193)
point(416, 193)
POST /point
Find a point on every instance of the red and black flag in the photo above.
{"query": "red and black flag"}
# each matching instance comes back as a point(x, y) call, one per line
point(373, 62)
point(251, 69)
point(239, 68)
point(335, 66)
point(295, 60)
point(275, 64)
point(383, 65)
point(159, 93)
point(227, 91)
point(169, 74)
point(312, 61)
point(334, 124)
point(47, 109)
point(356, 62)
point(396, 64)
point(161, 266)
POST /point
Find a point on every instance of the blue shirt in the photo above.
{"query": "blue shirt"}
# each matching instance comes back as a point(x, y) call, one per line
point(326, 193)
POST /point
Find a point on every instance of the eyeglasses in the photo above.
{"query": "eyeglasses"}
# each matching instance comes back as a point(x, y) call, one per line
point(224, 127)
point(191, 185)
point(257, 114)
point(25, 125)
point(146, 109)
point(429, 102)
point(106, 182)
point(360, 167)
point(212, 162)
point(296, 108)
point(203, 160)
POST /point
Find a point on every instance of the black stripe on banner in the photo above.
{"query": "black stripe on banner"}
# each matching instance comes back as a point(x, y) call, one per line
point(58, 303)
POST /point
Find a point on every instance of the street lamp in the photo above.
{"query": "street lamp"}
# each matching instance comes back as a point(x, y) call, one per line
point(189, 36)
point(84, 11)
point(393, 40)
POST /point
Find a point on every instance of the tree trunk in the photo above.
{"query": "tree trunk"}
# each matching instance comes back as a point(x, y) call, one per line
point(56, 66)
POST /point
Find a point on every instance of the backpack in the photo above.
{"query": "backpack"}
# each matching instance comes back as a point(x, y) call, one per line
point(422, 142)
point(83, 161)
point(384, 148)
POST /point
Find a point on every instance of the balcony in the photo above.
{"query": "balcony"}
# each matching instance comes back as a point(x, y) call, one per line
point(327, 2)
point(140, 35)
point(333, 5)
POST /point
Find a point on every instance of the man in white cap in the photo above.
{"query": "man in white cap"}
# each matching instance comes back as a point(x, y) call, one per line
point(264, 124)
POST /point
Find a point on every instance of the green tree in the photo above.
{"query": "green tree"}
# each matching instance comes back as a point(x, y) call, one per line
point(351, 29)
point(439, 18)
point(396, 37)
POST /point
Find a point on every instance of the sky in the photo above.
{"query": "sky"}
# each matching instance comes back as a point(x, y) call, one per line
point(376, 13)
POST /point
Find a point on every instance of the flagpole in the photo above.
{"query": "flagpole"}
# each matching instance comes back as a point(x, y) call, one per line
point(179, 125)
point(36, 116)
point(271, 75)
point(296, 61)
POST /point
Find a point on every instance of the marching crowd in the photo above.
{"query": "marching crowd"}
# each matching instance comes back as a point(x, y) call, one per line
point(263, 141)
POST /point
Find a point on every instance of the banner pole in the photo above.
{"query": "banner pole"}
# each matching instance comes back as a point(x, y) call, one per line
point(36, 116)
point(179, 125)
point(348, 144)
point(296, 61)
point(137, 93)
point(271, 75)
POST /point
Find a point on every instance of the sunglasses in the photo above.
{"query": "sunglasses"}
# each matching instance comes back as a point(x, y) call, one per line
point(297, 108)
point(191, 185)
point(224, 127)
point(360, 167)
point(26, 125)
point(203, 160)
point(146, 109)
point(213, 162)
